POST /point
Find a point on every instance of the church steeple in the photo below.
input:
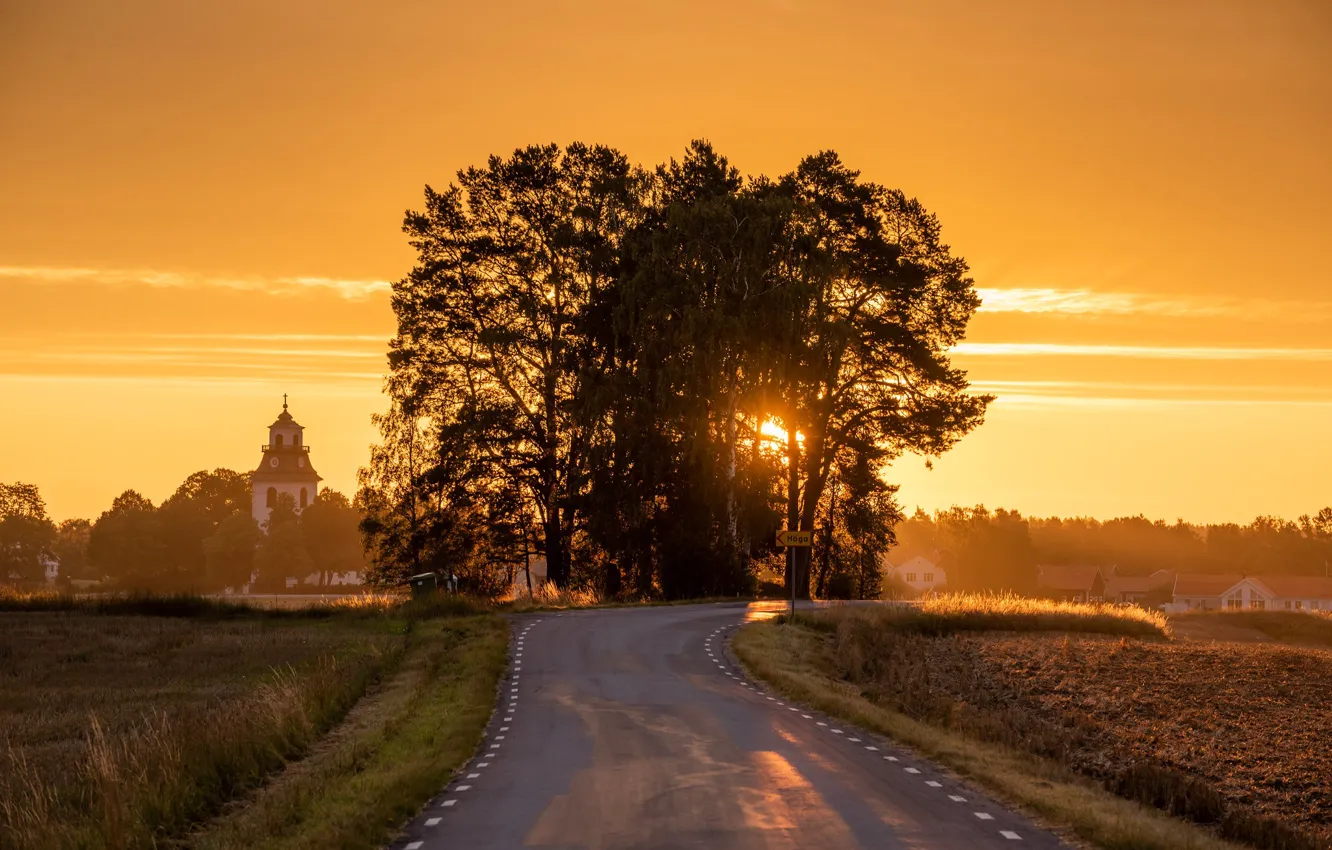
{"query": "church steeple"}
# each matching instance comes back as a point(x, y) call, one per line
point(285, 467)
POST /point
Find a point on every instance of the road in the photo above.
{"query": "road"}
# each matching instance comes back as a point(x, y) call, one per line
point(633, 728)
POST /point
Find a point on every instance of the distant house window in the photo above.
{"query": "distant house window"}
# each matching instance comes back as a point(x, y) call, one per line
point(1299, 603)
point(1287, 604)
point(1257, 603)
point(1232, 603)
point(277, 441)
point(303, 498)
point(929, 576)
point(272, 497)
point(911, 576)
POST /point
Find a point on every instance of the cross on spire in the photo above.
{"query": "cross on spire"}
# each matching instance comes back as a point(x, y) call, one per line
point(284, 401)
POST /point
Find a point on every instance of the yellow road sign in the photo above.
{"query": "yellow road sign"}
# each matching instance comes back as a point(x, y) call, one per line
point(795, 538)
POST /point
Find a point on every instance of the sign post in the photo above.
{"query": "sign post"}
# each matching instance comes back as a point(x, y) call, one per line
point(791, 540)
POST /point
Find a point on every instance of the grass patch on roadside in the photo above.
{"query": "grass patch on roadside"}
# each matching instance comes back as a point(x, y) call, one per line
point(800, 662)
point(548, 597)
point(396, 749)
point(982, 612)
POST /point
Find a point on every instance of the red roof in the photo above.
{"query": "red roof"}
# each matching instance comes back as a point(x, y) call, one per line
point(1118, 584)
point(1297, 587)
point(1067, 576)
point(1204, 584)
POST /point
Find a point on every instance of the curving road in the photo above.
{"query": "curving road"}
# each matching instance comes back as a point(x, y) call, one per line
point(632, 728)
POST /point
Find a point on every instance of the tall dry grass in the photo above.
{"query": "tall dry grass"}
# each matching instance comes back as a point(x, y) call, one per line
point(982, 612)
point(549, 595)
point(121, 732)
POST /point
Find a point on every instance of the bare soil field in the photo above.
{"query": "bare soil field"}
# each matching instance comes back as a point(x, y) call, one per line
point(1230, 735)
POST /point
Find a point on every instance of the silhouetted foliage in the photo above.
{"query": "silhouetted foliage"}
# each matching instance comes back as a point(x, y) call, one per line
point(980, 549)
point(26, 533)
point(588, 355)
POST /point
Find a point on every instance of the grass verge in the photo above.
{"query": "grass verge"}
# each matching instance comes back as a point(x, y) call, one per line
point(396, 749)
point(798, 660)
point(978, 612)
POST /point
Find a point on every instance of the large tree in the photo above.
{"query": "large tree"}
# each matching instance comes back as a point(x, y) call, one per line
point(490, 339)
point(125, 544)
point(871, 303)
point(26, 533)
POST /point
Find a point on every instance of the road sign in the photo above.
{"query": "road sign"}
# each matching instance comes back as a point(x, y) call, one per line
point(795, 538)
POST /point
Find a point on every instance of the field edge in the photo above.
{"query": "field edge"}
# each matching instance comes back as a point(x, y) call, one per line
point(793, 660)
point(396, 749)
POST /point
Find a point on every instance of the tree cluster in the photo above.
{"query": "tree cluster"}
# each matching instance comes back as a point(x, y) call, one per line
point(1000, 550)
point(641, 375)
point(200, 539)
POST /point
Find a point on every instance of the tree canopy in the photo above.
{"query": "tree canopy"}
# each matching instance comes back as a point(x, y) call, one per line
point(636, 374)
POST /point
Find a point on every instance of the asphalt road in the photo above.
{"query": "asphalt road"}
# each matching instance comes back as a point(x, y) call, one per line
point(633, 728)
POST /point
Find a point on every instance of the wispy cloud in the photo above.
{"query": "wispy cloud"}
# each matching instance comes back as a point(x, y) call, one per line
point(1089, 302)
point(183, 280)
point(1144, 352)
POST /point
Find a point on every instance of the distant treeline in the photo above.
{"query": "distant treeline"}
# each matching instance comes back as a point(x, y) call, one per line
point(640, 375)
point(202, 538)
point(982, 549)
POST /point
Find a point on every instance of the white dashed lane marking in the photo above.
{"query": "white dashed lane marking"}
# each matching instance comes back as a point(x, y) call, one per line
point(984, 815)
point(433, 821)
point(415, 845)
point(1010, 835)
point(912, 770)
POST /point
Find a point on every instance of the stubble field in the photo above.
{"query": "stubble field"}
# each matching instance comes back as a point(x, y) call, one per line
point(1233, 736)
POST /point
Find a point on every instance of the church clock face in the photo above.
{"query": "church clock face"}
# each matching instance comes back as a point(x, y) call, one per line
point(272, 461)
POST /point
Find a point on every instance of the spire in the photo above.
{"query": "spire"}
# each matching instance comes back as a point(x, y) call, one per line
point(284, 402)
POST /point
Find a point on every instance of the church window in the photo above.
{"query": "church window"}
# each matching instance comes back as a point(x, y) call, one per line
point(277, 441)
point(272, 497)
point(303, 498)
point(296, 441)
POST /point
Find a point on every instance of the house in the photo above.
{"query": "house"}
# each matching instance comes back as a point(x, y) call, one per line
point(1071, 582)
point(917, 570)
point(1202, 591)
point(1283, 593)
point(1139, 590)
point(537, 568)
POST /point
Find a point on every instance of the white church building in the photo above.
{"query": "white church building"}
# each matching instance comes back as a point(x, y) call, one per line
point(285, 468)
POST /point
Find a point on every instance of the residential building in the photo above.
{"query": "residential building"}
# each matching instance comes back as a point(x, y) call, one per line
point(920, 572)
point(1071, 582)
point(1202, 591)
point(1139, 590)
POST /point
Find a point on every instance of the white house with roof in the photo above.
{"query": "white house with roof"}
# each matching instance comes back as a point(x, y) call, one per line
point(918, 571)
point(1203, 592)
point(1283, 593)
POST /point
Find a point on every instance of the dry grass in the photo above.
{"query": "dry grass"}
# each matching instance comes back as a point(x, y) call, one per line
point(1309, 628)
point(964, 612)
point(1229, 736)
point(396, 749)
point(118, 731)
point(548, 596)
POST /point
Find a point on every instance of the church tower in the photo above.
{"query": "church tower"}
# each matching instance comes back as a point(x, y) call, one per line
point(285, 468)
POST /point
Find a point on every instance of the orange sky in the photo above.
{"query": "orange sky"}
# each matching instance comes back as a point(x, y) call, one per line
point(200, 204)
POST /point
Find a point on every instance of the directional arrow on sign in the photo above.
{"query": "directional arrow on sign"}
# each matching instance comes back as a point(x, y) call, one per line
point(795, 538)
